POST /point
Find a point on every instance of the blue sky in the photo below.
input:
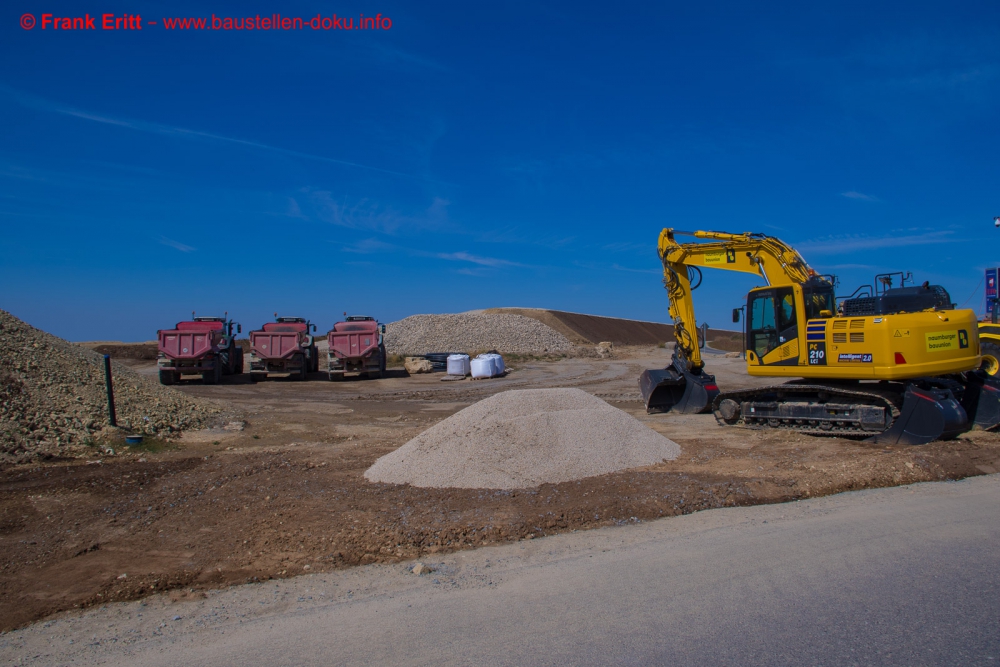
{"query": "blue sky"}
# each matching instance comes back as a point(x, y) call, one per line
point(474, 156)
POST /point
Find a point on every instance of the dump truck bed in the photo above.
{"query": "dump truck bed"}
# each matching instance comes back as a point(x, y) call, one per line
point(185, 343)
point(354, 340)
point(274, 344)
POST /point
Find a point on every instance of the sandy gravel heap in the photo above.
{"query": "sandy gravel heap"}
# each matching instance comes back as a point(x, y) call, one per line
point(522, 438)
point(472, 332)
point(52, 396)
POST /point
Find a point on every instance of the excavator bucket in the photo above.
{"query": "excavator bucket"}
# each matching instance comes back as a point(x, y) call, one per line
point(981, 399)
point(927, 415)
point(673, 390)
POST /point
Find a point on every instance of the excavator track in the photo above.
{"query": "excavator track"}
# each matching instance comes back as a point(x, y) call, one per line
point(913, 413)
point(816, 408)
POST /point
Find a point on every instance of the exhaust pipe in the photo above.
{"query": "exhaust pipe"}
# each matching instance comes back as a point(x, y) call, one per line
point(675, 390)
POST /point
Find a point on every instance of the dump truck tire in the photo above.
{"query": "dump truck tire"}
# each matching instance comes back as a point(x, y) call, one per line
point(303, 368)
point(167, 377)
point(239, 361)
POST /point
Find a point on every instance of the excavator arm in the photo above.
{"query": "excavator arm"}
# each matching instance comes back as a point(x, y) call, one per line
point(766, 256)
point(684, 386)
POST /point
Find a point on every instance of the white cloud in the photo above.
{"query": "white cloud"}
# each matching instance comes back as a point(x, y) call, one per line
point(832, 245)
point(176, 245)
point(475, 259)
point(40, 104)
point(851, 194)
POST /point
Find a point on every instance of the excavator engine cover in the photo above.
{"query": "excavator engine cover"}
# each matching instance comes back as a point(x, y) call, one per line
point(675, 390)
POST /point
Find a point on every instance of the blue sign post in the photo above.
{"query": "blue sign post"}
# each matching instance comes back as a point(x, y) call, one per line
point(991, 289)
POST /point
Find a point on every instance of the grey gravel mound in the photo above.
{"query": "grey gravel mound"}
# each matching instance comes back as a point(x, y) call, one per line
point(472, 332)
point(522, 438)
point(52, 397)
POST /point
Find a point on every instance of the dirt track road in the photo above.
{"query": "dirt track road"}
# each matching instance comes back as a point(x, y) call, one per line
point(900, 576)
point(287, 495)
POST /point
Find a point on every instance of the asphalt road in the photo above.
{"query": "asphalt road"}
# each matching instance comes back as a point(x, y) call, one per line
point(904, 576)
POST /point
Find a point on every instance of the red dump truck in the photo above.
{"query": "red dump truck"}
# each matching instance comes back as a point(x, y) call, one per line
point(356, 346)
point(283, 346)
point(204, 346)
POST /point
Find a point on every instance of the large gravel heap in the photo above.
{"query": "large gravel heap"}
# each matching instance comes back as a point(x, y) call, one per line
point(522, 438)
point(472, 332)
point(52, 396)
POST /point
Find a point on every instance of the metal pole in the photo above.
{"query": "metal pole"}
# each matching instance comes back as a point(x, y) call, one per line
point(111, 391)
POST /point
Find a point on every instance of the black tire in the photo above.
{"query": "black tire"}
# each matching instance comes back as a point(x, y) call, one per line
point(239, 361)
point(991, 357)
point(167, 377)
point(303, 368)
point(257, 377)
point(336, 376)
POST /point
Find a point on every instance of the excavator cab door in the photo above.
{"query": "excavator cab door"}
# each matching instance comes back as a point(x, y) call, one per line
point(773, 327)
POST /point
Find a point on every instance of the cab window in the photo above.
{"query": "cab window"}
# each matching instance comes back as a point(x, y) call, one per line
point(763, 332)
point(788, 327)
point(773, 320)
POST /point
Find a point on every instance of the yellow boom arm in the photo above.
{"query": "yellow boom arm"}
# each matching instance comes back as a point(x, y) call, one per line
point(766, 256)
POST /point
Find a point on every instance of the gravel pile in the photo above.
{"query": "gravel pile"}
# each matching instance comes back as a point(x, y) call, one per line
point(472, 332)
point(53, 400)
point(520, 439)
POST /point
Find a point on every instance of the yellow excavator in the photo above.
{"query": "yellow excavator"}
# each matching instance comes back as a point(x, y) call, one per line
point(895, 364)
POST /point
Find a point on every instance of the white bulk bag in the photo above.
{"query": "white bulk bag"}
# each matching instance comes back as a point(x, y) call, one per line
point(458, 364)
point(483, 368)
point(497, 360)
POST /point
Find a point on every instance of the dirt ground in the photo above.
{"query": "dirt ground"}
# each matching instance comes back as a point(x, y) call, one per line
point(286, 495)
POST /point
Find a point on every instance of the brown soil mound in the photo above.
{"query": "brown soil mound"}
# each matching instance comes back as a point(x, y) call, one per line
point(592, 329)
point(145, 351)
point(53, 399)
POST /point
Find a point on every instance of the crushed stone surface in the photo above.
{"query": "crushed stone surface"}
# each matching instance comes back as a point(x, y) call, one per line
point(472, 332)
point(523, 438)
point(53, 400)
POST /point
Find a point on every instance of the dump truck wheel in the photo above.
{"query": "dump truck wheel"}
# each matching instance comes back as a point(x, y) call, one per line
point(991, 358)
point(167, 377)
point(239, 361)
point(303, 368)
point(336, 376)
